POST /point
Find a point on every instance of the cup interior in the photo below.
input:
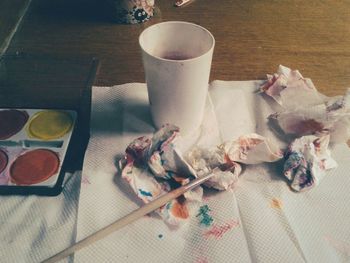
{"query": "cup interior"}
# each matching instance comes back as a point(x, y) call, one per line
point(176, 40)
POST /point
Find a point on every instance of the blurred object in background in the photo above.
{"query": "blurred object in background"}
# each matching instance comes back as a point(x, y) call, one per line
point(131, 11)
point(179, 3)
point(11, 14)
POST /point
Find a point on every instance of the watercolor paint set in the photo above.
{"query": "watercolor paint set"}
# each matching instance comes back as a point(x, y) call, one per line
point(33, 146)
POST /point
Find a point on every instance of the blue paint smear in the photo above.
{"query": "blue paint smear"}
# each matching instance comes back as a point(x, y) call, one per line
point(206, 219)
point(145, 193)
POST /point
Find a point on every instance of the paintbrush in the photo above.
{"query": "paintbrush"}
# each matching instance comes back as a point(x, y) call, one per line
point(133, 216)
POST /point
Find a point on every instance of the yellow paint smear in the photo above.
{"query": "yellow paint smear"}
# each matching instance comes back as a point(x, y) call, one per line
point(276, 203)
point(49, 125)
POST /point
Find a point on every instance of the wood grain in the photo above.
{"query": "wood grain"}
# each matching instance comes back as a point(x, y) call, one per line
point(252, 37)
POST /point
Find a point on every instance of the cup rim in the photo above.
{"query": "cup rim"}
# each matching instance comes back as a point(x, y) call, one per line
point(178, 22)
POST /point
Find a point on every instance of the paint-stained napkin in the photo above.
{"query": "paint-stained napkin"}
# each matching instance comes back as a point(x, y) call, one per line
point(259, 220)
point(33, 228)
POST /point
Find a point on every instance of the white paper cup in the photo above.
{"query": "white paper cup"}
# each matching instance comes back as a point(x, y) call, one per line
point(177, 59)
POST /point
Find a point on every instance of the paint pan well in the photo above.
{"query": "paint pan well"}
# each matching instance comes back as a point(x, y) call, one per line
point(49, 125)
point(3, 160)
point(12, 121)
point(34, 167)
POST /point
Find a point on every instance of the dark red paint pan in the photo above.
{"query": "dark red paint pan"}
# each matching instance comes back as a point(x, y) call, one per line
point(11, 122)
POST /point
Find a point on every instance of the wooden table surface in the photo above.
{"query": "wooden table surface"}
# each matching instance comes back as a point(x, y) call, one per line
point(252, 38)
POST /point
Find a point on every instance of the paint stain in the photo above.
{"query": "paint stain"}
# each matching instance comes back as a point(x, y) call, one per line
point(12, 121)
point(145, 193)
point(48, 125)
point(205, 198)
point(218, 231)
point(306, 127)
point(160, 236)
point(85, 180)
point(34, 167)
point(205, 218)
point(4, 180)
point(276, 203)
point(3, 160)
point(179, 210)
point(339, 245)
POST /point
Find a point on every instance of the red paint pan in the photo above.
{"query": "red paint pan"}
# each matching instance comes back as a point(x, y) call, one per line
point(34, 167)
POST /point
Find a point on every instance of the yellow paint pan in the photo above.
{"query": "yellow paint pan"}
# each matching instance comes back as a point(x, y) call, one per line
point(49, 125)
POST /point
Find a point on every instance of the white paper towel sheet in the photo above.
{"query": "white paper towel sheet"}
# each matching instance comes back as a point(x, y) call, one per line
point(260, 220)
point(33, 228)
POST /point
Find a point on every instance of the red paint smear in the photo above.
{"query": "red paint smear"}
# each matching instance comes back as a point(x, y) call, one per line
point(179, 210)
point(12, 121)
point(138, 150)
point(3, 160)
point(307, 127)
point(180, 180)
point(85, 180)
point(219, 231)
point(34, 167)
point(206, 198)
point(202, 260)
point(269, 83)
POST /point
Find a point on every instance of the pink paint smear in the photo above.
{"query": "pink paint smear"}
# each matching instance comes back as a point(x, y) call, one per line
point(218, 231)
point(85, 180)
point(202, 260)
point(339, 245)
